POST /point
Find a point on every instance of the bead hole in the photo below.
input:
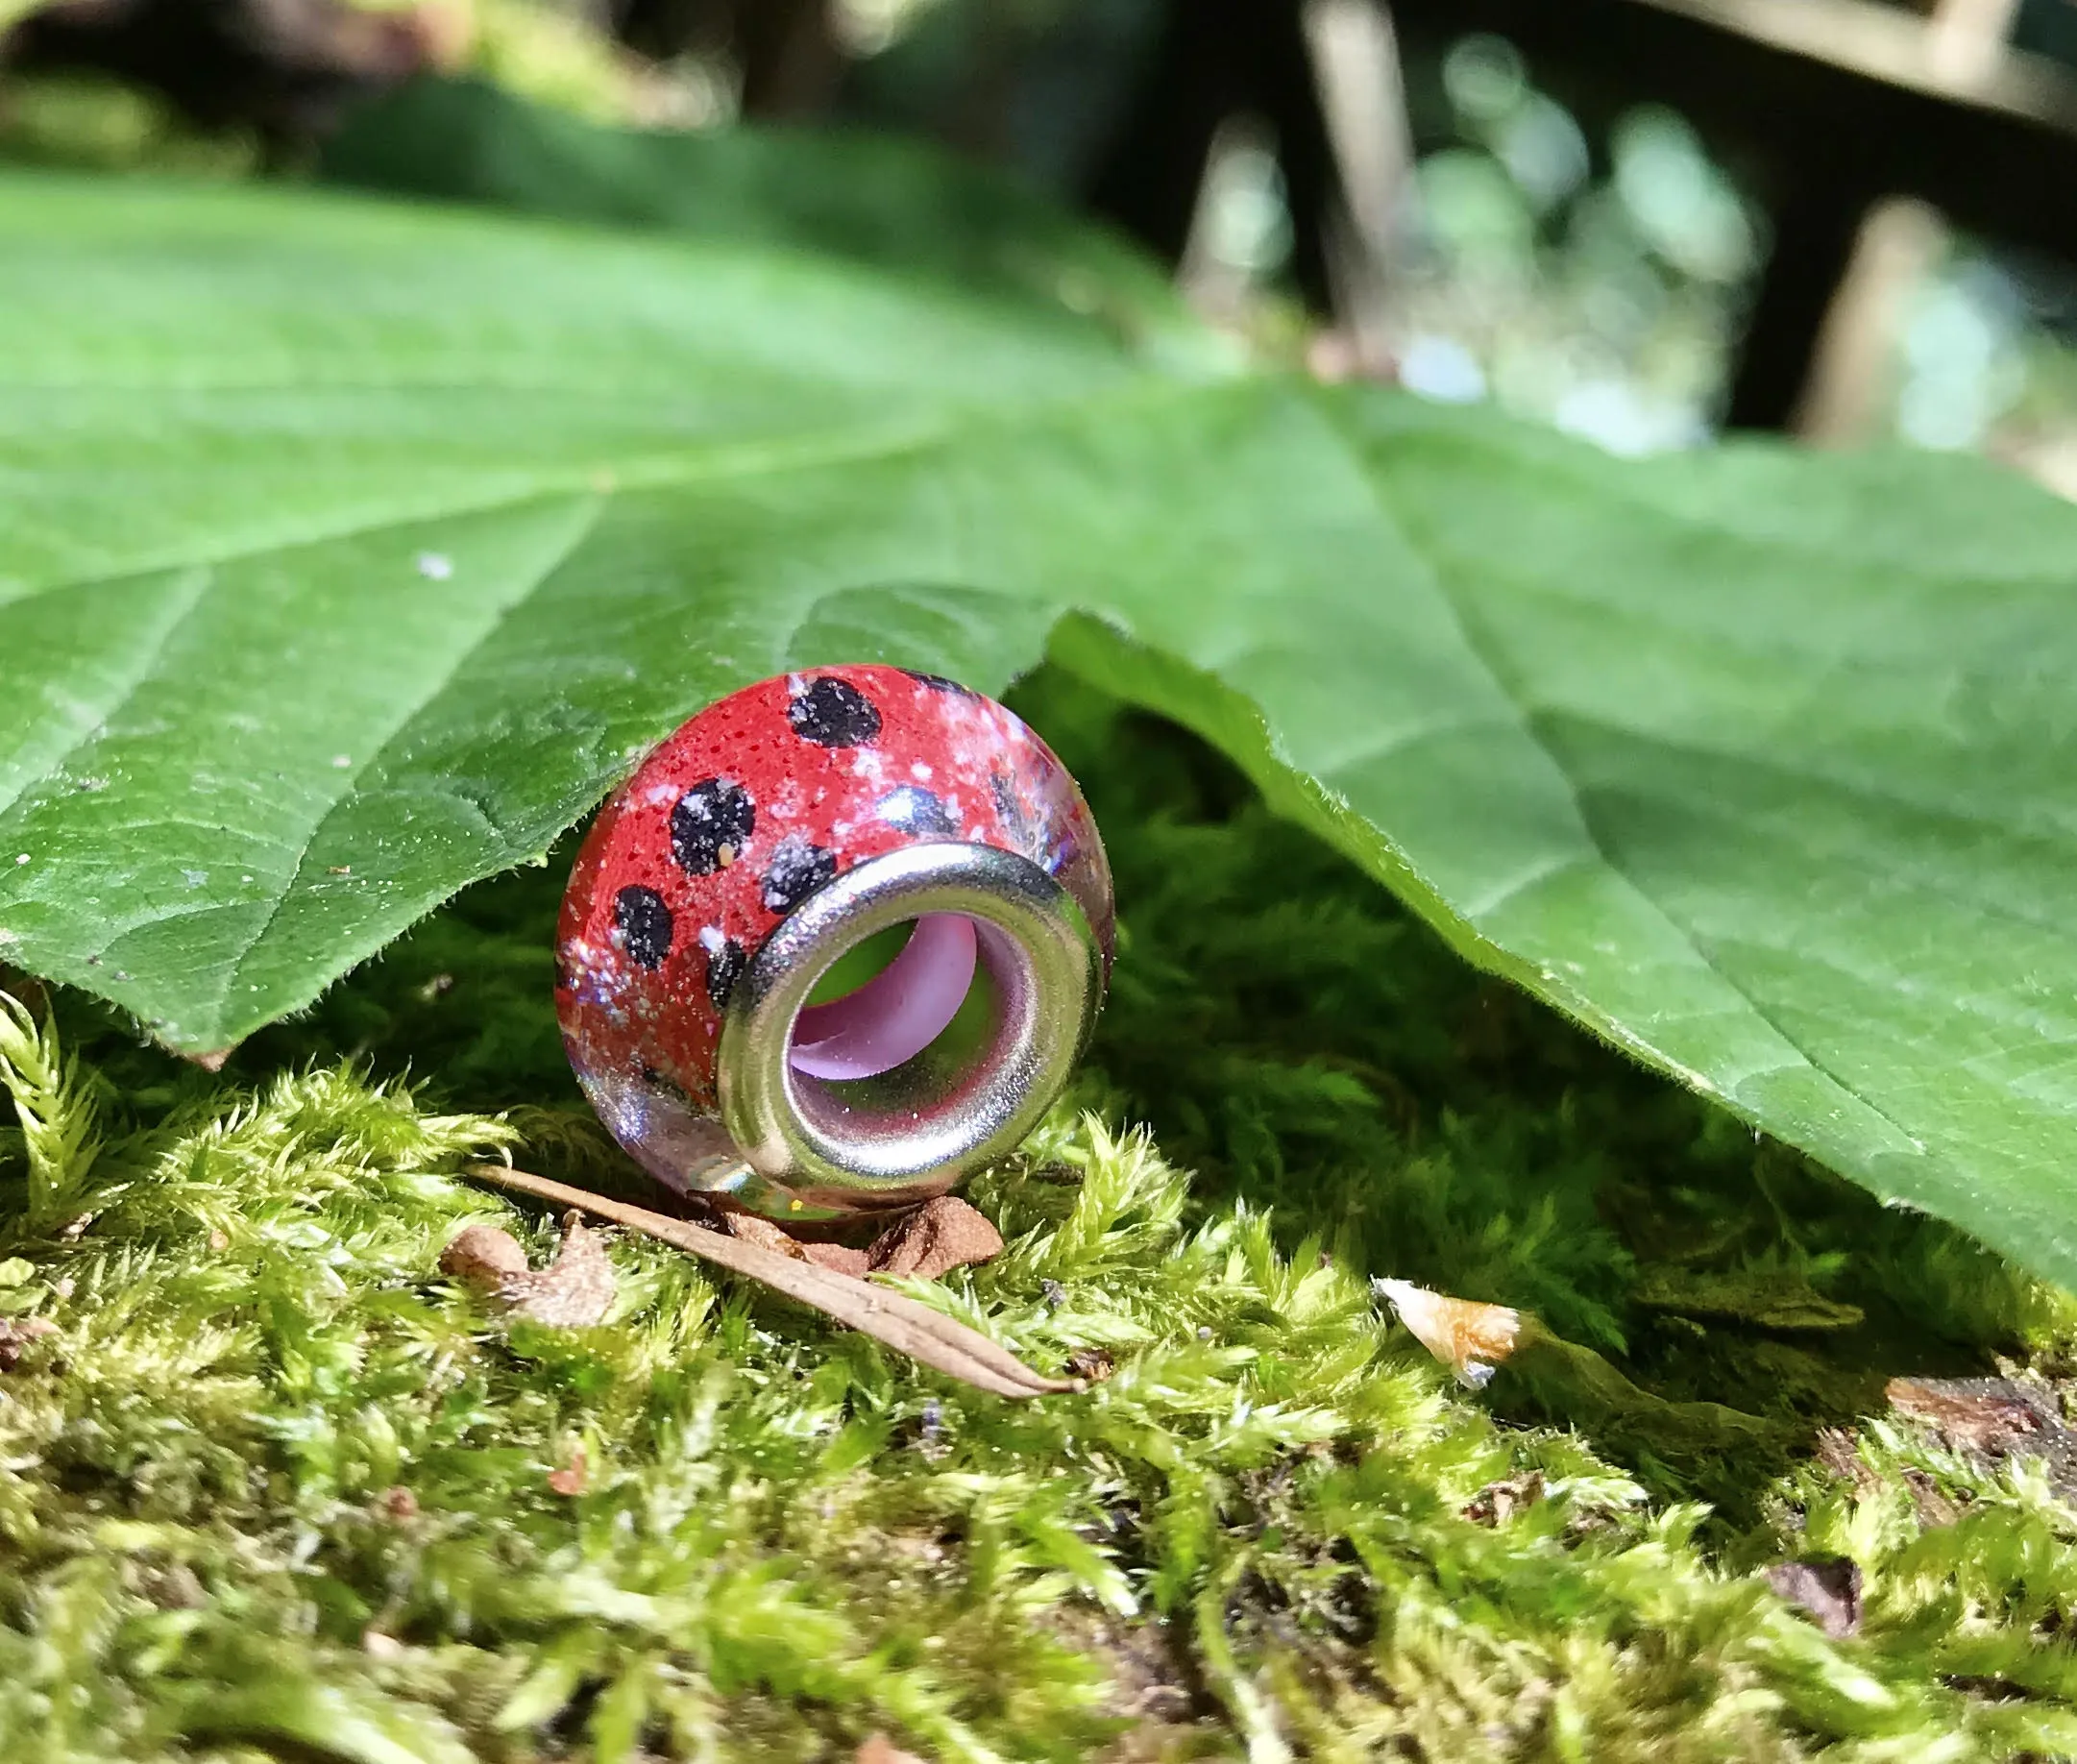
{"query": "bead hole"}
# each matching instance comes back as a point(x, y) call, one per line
point(886, 999)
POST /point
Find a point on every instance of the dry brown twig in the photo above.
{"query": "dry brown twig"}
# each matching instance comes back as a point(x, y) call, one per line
point(924, 1335)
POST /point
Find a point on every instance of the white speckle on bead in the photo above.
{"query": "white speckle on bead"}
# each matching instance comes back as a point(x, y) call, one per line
point(436, 566)
point(341, 761)
point(921, 773)
point(710, 939)
point(23, 859)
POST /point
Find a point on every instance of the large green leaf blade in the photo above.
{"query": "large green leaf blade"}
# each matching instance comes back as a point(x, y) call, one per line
point(1816, 714)
point(354, 552)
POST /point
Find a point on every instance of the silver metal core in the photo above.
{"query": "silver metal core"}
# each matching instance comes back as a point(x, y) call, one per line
point(828, 1146)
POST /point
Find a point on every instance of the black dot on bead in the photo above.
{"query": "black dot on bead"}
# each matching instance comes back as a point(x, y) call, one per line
point(833, 713)
point(1026, 831)
point(711, 824)
point(916, 810)
point(798, 868)
point(724, 967)
point(1010, 806)
point(664, 1085)
point(938, 682)
point(644, 923)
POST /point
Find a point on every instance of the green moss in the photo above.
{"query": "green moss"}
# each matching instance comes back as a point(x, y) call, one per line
point(275, 1487)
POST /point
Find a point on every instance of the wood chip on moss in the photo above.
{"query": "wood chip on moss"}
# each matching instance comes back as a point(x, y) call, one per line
point(575, 1290)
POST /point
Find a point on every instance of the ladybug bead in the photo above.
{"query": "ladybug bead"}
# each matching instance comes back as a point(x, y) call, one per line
point(778, 830)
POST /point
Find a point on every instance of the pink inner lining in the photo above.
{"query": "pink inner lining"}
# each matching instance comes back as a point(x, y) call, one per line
point(896, 1014)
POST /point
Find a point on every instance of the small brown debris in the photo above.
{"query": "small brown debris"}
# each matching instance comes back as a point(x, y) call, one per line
point(574, 1292)
point(16, 1335)
point(575, 1476)
point(1091, 1365)
point(399, 1504)
point(1930, 1502)
point(940, 1236)
point(483, 1256)
point(219, 1239)
point(379, 1644)
point(338, 869)
point(1826, 1586)
point(878, 1748)
point(1838, 1450)
point(1989, 1420)
point(838, 1258)
point(1473, 1339)
point(1497, 1503)
point(1992, 1416)
point(213, 1061)
point(438, 987)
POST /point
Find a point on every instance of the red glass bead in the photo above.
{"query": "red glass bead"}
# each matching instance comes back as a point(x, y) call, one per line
point(752, 810)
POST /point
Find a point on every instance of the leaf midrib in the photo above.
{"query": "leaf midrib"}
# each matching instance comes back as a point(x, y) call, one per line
point(701, 463)
point(203, 574)
point(580, 530)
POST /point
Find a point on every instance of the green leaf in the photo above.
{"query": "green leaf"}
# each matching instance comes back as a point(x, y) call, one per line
point(874, 198)
point(354, 551)
point(1811, 721)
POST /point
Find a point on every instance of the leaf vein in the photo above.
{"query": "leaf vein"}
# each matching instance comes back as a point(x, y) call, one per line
point(593, 507)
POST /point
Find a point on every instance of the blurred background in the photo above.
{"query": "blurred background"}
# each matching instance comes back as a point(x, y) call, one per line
point(1644, 221)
